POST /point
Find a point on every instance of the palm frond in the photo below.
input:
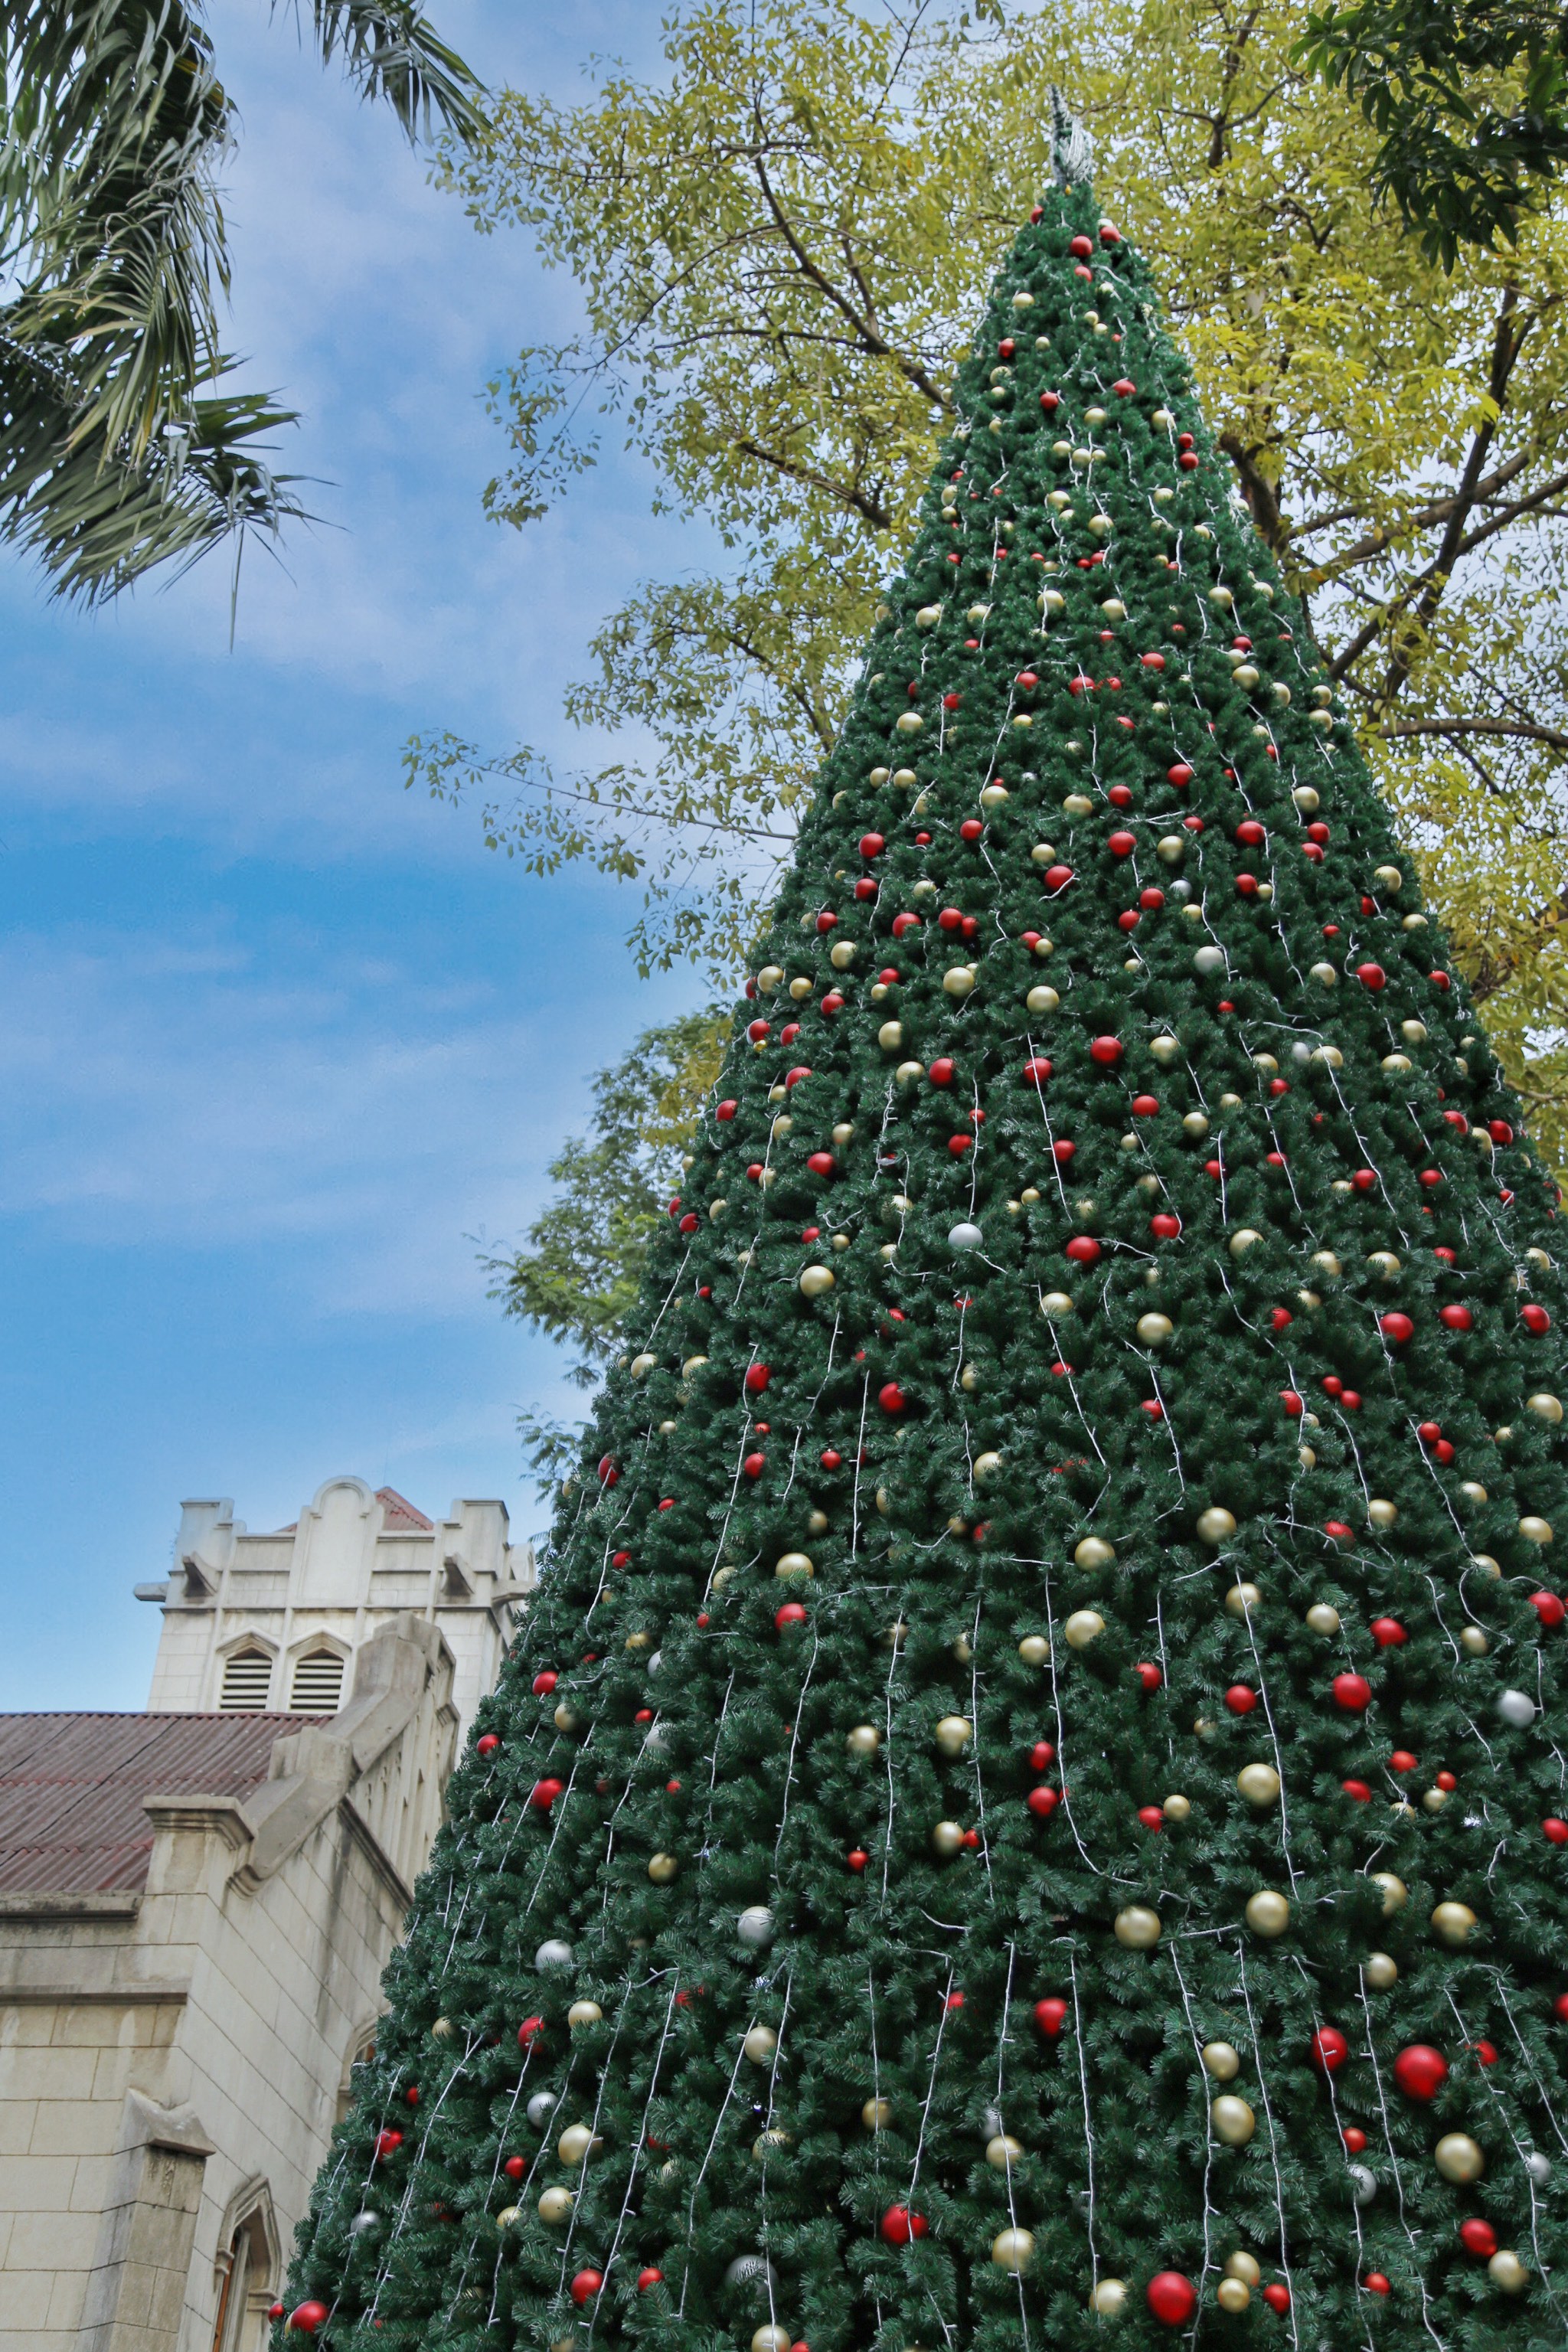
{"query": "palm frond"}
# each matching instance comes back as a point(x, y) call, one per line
point(392, 52)
point(119, 449)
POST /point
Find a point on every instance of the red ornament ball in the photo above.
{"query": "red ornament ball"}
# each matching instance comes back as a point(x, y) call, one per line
point(1376, 2284)
point(1329, 2049)
point(543, 1793)
point(1042, 1756)
point(1371, 975)
point(1548, 1607)
point(890, 1397)
point(529, 2031)
point(1050, 2016)
point(791, 1613)
point(1354, 2139)
point(515, 2166)
point(487, 1744)
point(1388, 1633)
point(1353, 1693)
point(1149, 1674)
point(1043, 1802)
point(649, 2277)
point(1420, 2070)
point(1535, 1318)
point(586, 2285)
point(1397, 1327)
point(308, 2316)
point(1556, 1832)
point(757, 1377)
point(1172, 2297)
point(1478, 2238)
point(1080, 248)
point(1239, 1699)
point(1277, 2296)
point(1083, 1249)
point(857, 1858)
point(1106, 1051)
point(941, 1073)
point(900, 2226)
point(544, 1682)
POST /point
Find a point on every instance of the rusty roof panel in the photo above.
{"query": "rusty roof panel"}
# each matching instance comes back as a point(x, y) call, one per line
point(72, 1788)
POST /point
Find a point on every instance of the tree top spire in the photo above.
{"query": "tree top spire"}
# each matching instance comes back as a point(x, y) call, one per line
point(1072, 148)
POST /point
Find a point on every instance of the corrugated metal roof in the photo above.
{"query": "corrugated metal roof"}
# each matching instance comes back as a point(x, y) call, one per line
point(72, 1786)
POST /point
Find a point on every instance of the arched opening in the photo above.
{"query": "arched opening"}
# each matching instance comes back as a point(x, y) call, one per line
point(246, 2267)
point(317, 1684)
point(247, 1680)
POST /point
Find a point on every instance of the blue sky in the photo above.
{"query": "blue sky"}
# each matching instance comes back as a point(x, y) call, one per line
point(277, 1037)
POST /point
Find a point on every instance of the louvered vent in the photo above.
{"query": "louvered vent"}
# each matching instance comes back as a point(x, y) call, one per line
point(246, 1678)
point(317, 1684)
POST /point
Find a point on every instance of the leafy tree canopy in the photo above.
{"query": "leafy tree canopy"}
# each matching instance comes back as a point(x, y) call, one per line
point(777, 247)
point(1469, 100)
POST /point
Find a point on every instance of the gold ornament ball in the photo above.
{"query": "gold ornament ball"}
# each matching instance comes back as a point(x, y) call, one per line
point(1454, 1922)
point(1381, 1513)
point(1243, 2266)
point(1108, 2297)
point(815, 1280)
point(566, 1717)
point(1233, 2120)
point(1258, 1783)
point(662, 1869)
point(1138, 1927)
point(877, 2113)
point(1232, 2295)
point(1084, 1626)
point(1035, 1650)
point(442, 2030)
point(583, 2012)
point(1002, 2150)
point(1268, 1912)
point(1093, 1552)
point(574, 2142)
point(765, 2142)
point(1323, 1618)
point(1013, 2250)
point(770, 2339)
point(1154, 1329)
point(1242, 1600)
point(567, 2343)
point(1395, 1893)
point(1505, 2269)
point(556, 2205)
point(953, 1733)
point(760, 2043)
point(987, 1465)
point(508, 2214)
point(1240, 1242)
point(1177, 1808)
point(1216, 1525)
point(1548, 1408)
point(1380, 1972)
point(864, 1740)
point(948, 1838)
point(1221, 2061)
point(1458, 2158)
point(796, 1563)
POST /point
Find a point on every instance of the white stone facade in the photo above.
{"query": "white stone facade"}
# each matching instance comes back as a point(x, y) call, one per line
point(180, 2006)
point(354, 1560)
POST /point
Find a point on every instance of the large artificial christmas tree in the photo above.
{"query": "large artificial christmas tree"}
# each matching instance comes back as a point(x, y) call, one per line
point(1025, 1813)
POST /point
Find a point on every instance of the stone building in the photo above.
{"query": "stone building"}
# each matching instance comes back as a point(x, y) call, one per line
point(196, 1905)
